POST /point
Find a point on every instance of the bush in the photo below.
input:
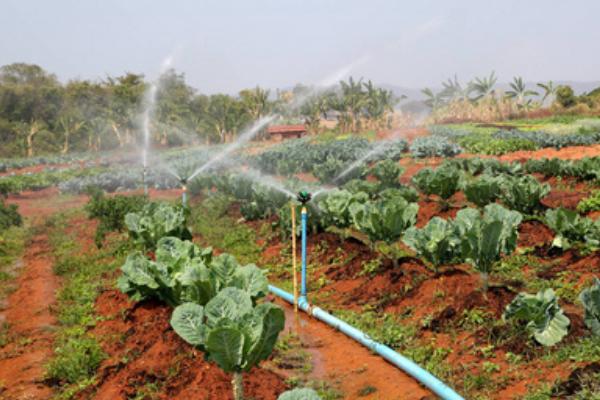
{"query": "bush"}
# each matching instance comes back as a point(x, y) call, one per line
point(111, 211)
point(565, 96)
point(9, 216)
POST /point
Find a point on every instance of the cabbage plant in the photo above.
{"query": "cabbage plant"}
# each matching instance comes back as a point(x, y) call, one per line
point(483, 191)
point(299, 394)
point(437, 242)
point(524, 194)
point(387, 172)
point(155, 221)
point(543, 317)
point(232, 332)
point(590, 298)
point(335, 207)
point(485, 238)
point(183, 272)
point(442, 182)
point(570, 227)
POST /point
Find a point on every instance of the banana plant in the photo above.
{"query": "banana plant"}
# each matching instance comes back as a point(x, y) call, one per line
point(155, 221)
point(590, 298)
point(232, 332)
point(544, 319)
point(524, 194)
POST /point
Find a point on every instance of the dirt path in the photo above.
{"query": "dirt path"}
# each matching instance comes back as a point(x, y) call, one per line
point(31, 322)
point(349, 367)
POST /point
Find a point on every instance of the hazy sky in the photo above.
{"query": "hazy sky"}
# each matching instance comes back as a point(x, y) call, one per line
point(227, 45)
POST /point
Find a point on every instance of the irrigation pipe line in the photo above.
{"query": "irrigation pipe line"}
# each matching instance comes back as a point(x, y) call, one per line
point(405, 364)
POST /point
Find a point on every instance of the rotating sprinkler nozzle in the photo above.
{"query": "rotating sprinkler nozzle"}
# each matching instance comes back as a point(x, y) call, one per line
point(304, 197)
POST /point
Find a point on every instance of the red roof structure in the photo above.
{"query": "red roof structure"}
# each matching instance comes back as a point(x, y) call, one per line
point(287, 131)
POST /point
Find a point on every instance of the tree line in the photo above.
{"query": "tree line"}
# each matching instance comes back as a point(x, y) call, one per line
point(41, 115)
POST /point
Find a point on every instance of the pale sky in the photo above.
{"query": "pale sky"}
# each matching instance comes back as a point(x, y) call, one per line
point(228, 45)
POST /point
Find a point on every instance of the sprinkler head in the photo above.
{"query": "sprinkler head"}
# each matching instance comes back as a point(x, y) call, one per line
point(303, 197)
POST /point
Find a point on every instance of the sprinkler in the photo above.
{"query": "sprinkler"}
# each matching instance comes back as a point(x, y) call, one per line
point(303, 197)
point(183, 183)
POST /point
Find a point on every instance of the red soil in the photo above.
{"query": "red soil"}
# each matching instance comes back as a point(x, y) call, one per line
point(143, 349)
point(349, 367)
point(29, 316)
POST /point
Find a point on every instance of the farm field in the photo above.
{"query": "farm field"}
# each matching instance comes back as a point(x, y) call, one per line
point(398, 247)
point(299, 200)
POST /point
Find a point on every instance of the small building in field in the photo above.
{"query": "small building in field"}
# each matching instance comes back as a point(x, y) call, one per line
point(281, 132)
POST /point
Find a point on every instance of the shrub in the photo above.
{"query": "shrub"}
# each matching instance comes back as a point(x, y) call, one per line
point(565, 96)
point(9, 216)
point(111, 212)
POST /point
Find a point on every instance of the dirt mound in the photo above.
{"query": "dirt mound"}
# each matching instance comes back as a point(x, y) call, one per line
point(564, 198)
point(534, 233)
point(144, 353)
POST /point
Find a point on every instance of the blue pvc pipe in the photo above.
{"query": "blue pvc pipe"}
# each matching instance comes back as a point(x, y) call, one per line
point(405, 364)
point(303, 278)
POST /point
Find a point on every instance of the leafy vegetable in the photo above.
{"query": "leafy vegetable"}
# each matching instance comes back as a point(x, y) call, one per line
point(155, 221)
point(543, 317)
point(524, 194)
point(299, 394)
point(436, 242)
point(485, 238)
point(387, 172)
point(336, 207)
point(571, 227)
point(484, 190)
point(443, 182)
point(384, 220)
point(231, 331)
point(590, 298)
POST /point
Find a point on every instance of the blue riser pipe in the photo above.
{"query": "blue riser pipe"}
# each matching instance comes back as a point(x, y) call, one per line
point(405, 364)
point(303, 278)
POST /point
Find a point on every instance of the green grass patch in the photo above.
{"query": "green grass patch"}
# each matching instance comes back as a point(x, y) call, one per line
point(212, 221)
point(77, 352)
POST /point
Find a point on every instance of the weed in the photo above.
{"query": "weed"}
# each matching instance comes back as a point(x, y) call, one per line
point(366, 390)
point(75, 359)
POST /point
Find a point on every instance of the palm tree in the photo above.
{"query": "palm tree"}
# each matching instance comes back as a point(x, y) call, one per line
point(434, 100)
point(379, 102)
point(255, 102)
point(549, 90)
point(484, 87)
point(354, 100)
point(454, 91)
point(519, 91)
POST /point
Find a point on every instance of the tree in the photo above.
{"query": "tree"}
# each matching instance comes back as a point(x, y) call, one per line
point(255, 102)
point(565, 96)
point(353, 101)
point(173, 101)
point(126, 93)
point(519, 91)
point(433, 100)
point(549, 90)
point(454, 91)
point(484, 87)
point(379, 102)
point(30, 98)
